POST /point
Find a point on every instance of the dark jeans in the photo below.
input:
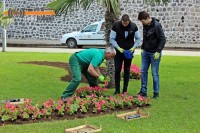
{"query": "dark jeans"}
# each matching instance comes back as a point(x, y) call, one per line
point(119, 59)
point(147, 60)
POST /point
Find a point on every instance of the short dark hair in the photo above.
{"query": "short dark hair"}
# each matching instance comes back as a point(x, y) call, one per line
point(125, 18)
point(143, 15)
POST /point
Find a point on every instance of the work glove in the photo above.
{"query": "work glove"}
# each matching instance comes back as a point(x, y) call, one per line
point(101, 78)
point(142, 51)
point(132, 50)
point(156, 55)
point(121, 50)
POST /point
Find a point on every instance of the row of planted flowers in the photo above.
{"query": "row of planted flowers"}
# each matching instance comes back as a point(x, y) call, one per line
point(86, 99)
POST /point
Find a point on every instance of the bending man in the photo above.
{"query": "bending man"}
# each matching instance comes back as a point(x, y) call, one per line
point(87, 63)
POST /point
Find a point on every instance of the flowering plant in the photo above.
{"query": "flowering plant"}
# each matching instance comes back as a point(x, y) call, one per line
point(10, 112)
point(140, 100)
point(128, 100)
point(93, 101)
point(135, 72)
point(112, 101)
point(84, 104)
point(59, 107)
point(100, 106)
point(84, 91)
point(47, 108)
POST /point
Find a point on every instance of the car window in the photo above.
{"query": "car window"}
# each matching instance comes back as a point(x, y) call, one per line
point(103, 26)
point(90, 28)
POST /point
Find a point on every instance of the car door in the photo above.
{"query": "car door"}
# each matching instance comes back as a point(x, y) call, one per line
point(100, 35)
point(86, 35)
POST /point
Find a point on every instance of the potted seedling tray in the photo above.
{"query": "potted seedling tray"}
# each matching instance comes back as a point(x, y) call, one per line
point(83, 129)
point(14, 101)
point(132, 115)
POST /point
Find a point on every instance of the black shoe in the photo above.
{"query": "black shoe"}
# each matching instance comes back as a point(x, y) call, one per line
point(124, 90)
point(142, 94)
point(155, 95)
point(116, 92)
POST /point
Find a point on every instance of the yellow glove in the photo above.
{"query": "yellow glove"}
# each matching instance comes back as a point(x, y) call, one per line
point(142, 51)
point(101, 78)
point(121, 50)
point(132, 50)
point(156, 55)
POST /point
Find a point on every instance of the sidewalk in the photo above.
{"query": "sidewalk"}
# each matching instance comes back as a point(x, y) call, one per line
point(43, 43)
point(67, 50)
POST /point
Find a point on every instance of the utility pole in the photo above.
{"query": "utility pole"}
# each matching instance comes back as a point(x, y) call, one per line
point(4, 30)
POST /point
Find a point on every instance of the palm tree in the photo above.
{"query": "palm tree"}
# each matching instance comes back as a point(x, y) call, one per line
point(5, 21)
point(111, 15)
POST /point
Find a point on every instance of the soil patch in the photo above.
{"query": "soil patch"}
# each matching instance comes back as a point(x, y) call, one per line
point(66, 78)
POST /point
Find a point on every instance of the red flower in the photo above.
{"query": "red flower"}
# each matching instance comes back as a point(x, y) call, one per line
point(58, 107)
point(141, 98)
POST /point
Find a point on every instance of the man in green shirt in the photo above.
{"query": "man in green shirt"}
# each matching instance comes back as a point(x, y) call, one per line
point(87, 62)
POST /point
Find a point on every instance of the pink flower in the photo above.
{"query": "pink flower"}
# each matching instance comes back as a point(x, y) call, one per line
point(58, 107)
point(27, 101)
point(102, 102)
point(141, 98)
point(130, 97)
point(125, 93)
point(98, 106)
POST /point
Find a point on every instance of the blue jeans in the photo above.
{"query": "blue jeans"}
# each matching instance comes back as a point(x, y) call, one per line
point(147, 60)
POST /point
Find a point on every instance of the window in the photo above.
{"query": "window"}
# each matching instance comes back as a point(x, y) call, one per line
point(103, 26)
point(90, 28)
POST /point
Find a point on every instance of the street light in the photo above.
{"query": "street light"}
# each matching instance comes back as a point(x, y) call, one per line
point(4, 30)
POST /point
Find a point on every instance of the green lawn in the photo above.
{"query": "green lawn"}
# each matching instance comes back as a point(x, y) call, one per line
point(176, 111)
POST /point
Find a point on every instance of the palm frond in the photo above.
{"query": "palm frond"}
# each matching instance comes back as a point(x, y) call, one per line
point(6, 21)
point(87, 3)
point(65, 6)
point(62, 6)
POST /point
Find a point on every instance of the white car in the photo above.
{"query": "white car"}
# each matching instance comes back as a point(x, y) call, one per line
point(90, 35)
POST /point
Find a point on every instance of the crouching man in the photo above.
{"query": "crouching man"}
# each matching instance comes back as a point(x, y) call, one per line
point(87, 62)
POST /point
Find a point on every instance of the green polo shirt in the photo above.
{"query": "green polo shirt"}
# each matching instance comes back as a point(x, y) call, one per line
point(91, 56)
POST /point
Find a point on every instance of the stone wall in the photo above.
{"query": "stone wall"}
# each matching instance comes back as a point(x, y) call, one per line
point(180, 19)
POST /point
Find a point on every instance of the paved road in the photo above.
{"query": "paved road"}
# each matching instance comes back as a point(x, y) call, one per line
point(67, 50)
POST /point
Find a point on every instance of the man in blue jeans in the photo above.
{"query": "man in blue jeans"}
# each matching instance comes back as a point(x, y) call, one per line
point(151, 51)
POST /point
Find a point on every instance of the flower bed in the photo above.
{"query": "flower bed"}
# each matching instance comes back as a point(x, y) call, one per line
point(135, 72)
point(86, 101)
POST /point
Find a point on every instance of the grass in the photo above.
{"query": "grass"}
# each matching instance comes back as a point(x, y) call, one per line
point(176, 111)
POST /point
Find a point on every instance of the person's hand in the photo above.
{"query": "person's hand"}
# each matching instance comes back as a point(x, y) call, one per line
point(121, 50)
point(101, 78)
point(156, 55)
point(132, 50)
point(142, 51)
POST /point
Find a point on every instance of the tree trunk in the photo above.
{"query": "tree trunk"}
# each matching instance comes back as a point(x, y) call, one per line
point(110, 19)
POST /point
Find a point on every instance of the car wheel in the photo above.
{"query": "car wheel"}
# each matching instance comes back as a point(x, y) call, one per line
point(79, 46)
point(71, 43)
